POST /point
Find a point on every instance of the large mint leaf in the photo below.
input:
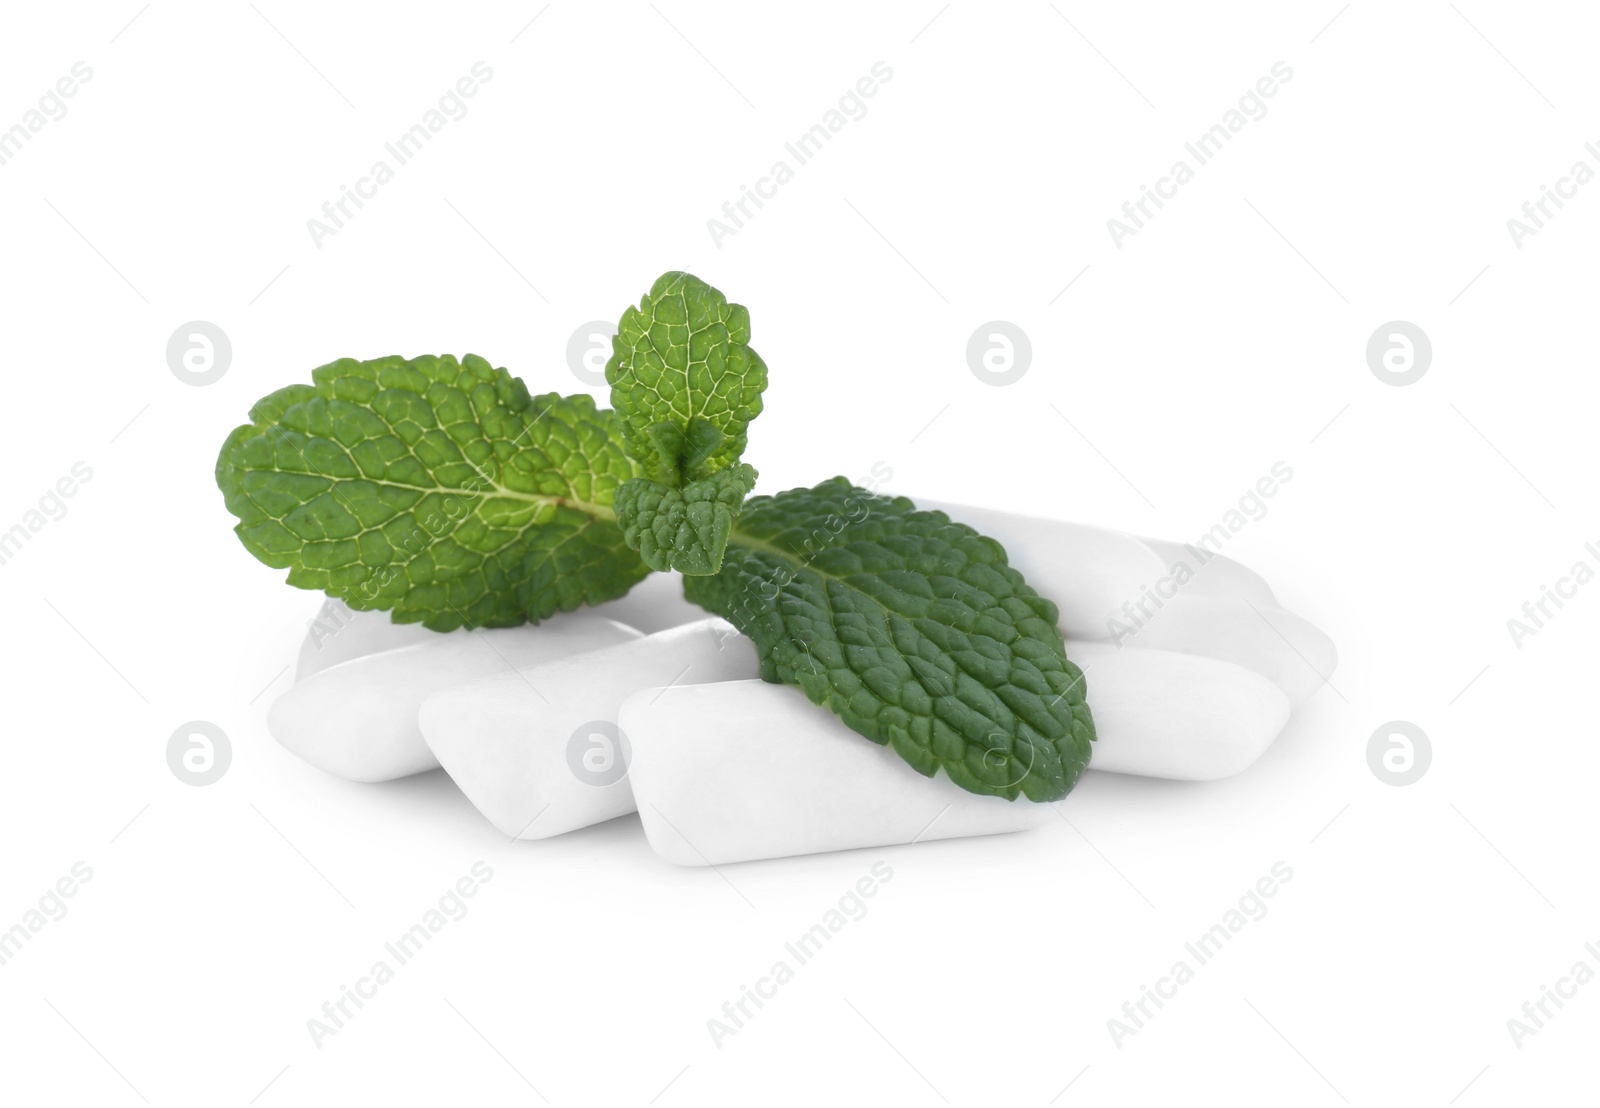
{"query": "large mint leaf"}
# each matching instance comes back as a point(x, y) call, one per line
point(914, 630)
point(685, 385)
point(435, 488)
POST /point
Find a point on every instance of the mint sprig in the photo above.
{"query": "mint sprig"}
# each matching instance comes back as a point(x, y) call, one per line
point(685, 385)
point(442, 491)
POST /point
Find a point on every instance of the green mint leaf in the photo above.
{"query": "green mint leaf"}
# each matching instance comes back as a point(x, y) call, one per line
point(685, 385)
point(685, 528)
point(684, 381)
point(438, 489)
point(912, 629)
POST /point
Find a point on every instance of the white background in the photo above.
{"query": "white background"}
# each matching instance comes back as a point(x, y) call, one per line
point(1227, 335)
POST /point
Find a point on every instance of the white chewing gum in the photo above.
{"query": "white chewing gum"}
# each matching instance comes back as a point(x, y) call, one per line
point(1277, 644)
point(538, 750)
point(744, 770)
point(1180, 716)
point(1089, 572)
point(1104, 582)
point(358, 719)
point(654, 604)
point(1214, 574)
point(339, 633)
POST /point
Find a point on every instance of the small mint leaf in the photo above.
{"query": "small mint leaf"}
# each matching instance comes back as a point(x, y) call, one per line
point(912, 629)
point(684, 381)
point(685, 528)
point(437, 489)
point(685, 385)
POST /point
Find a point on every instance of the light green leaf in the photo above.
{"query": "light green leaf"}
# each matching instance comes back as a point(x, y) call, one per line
point(435, 488)
point(684, 381)
point(685, 385)
point(685, 528)
point(914, 630)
